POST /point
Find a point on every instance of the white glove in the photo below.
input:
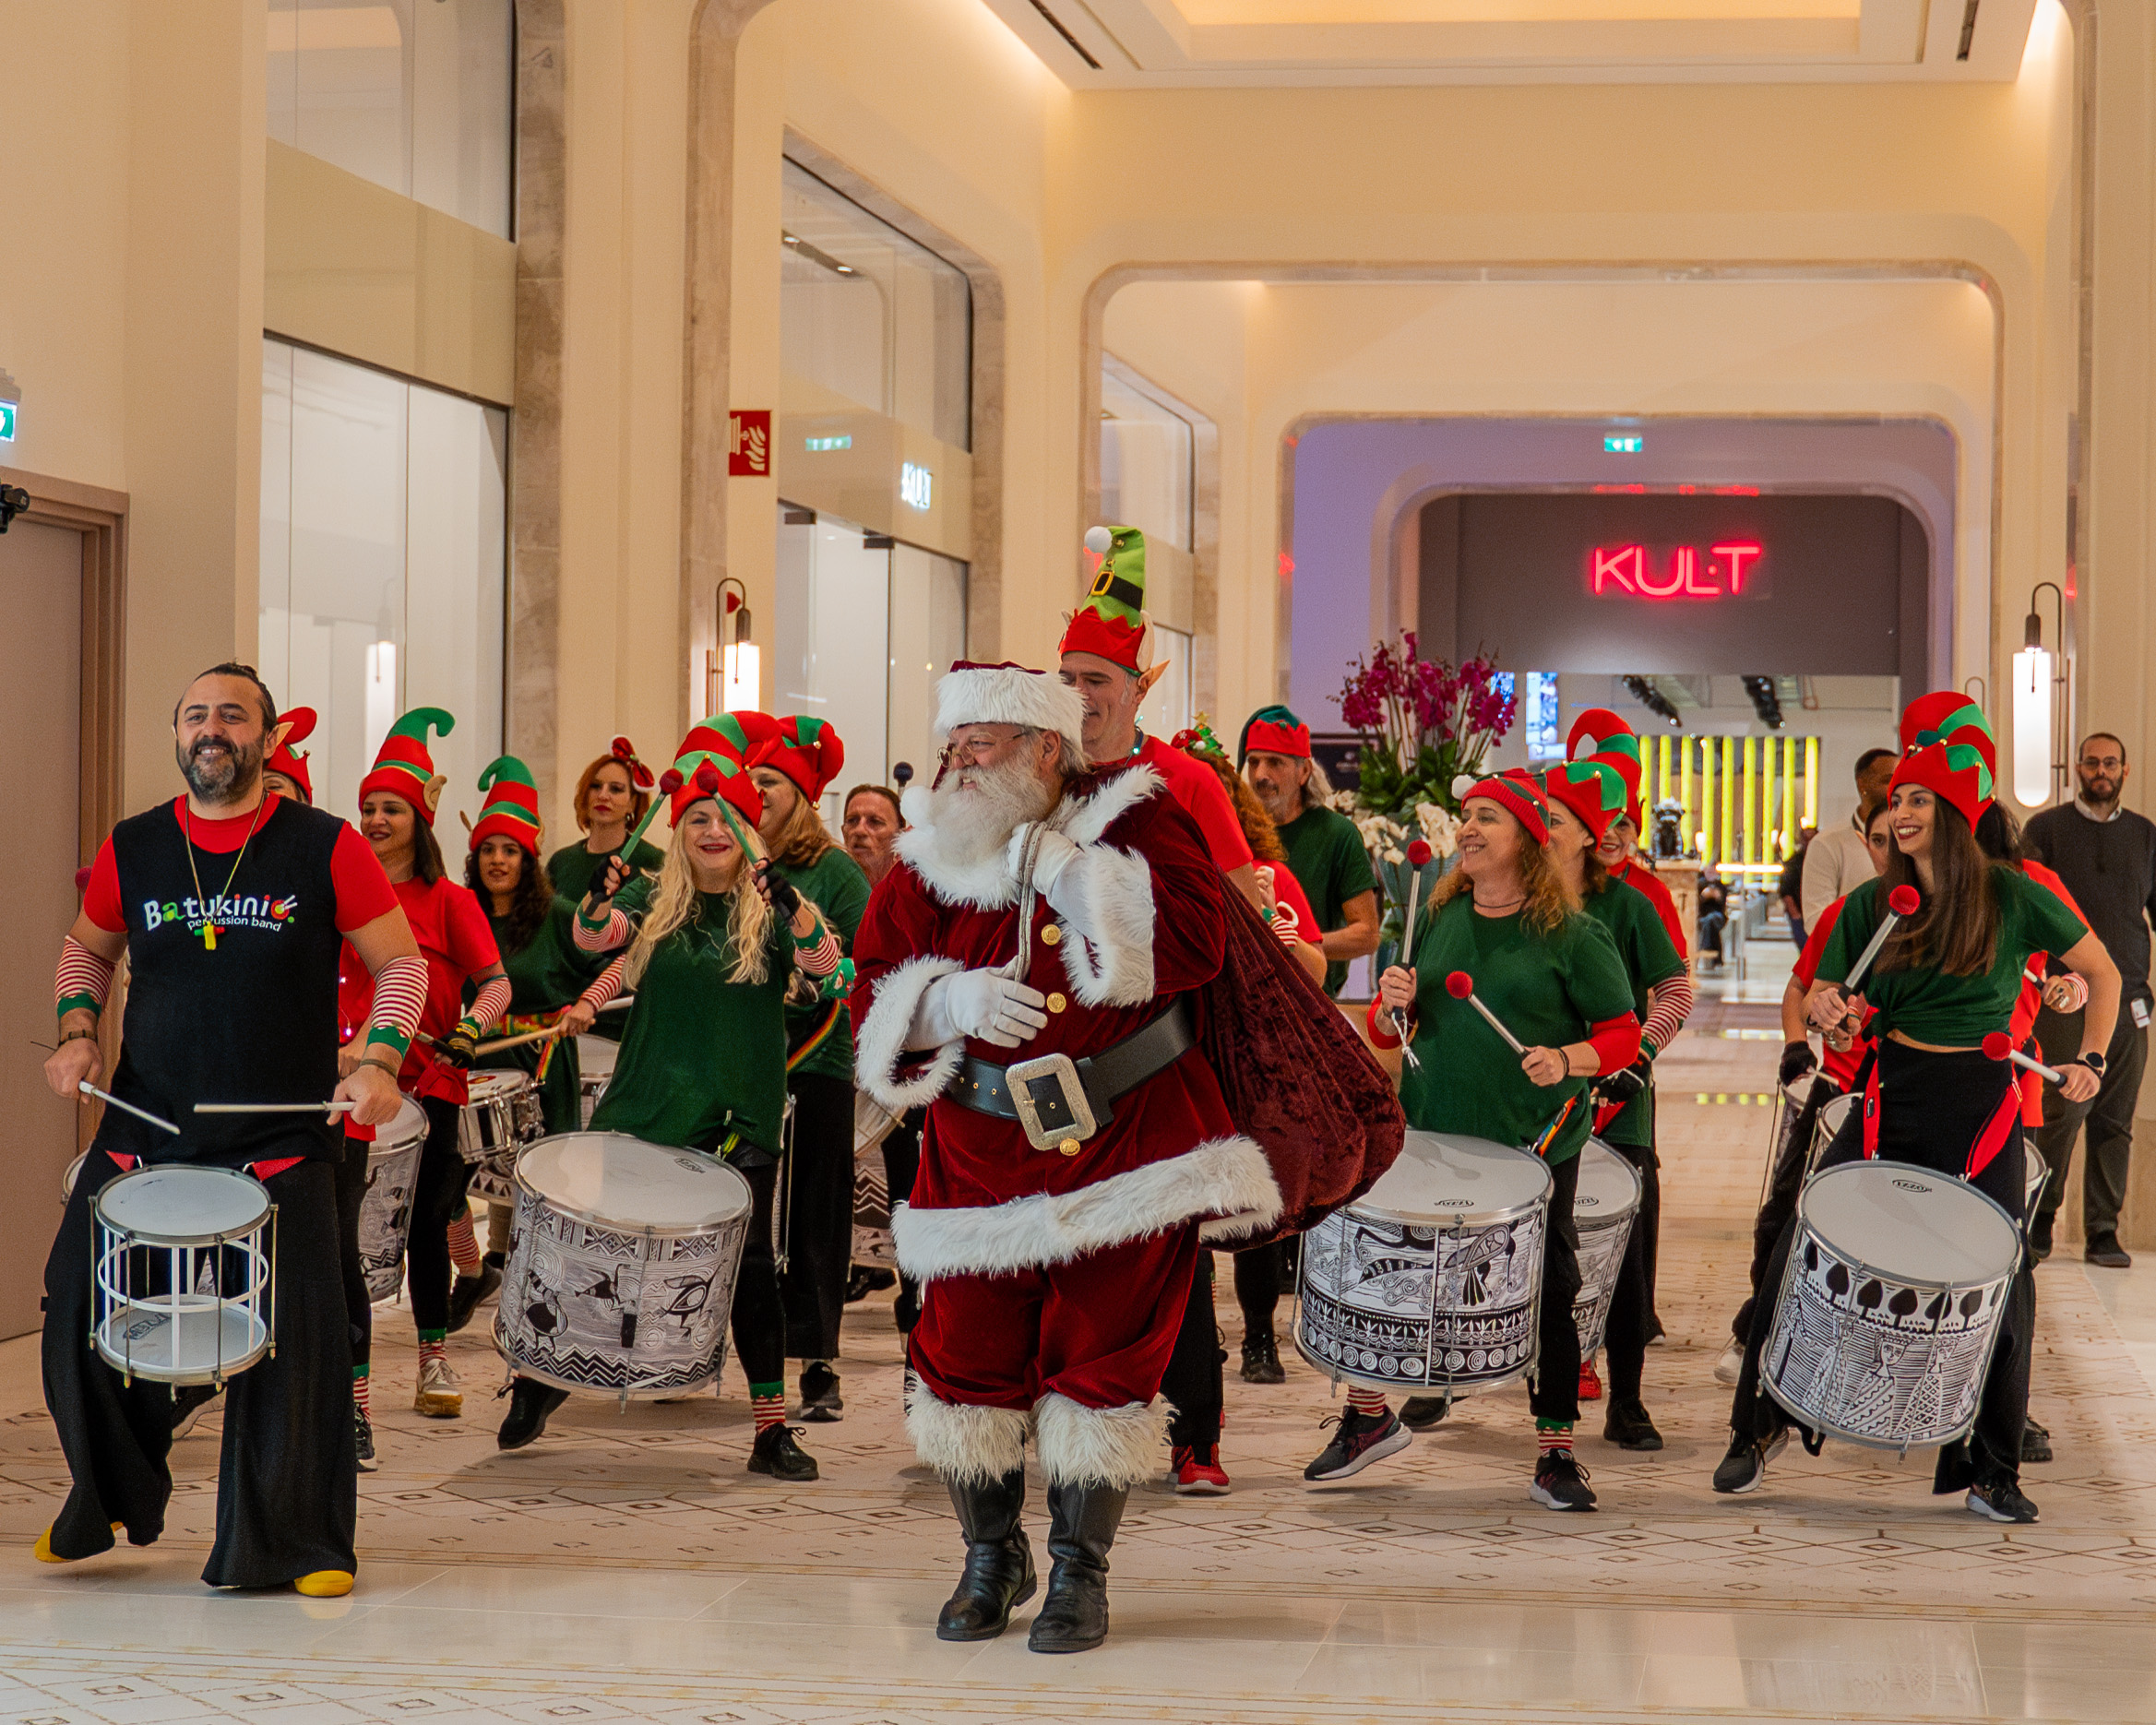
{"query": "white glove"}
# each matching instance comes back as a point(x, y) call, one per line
point(984, 1004)
point(1056, 853)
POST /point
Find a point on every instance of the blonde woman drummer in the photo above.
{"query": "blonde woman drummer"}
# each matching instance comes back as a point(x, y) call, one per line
point(712, 944)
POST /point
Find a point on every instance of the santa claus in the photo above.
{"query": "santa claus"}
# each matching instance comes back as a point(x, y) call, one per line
point(1022, 971)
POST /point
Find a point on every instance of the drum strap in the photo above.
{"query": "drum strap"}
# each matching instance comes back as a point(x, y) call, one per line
point(1540, 1146)
point(818, 1037)
point(1993, 1138)
point(523, 1024)
point(1867, 1078)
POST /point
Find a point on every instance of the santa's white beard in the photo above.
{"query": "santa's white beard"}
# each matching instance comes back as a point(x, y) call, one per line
point(976, 809)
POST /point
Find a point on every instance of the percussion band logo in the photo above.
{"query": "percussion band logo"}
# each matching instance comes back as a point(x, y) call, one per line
point(250, 911)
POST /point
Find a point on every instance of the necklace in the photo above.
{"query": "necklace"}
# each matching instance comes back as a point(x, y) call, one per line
point(187, 830)
point(1500, 904)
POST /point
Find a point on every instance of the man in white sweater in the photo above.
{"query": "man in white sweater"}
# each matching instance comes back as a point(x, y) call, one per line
point(1836, 860)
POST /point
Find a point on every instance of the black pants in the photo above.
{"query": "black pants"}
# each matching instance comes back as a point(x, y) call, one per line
point(1262, 1274)
point(902, 1165)
point(1632, 1302)
point(1554, 1392)
point(1932, 1107)
point(758, 1319)
point(438, 1198)
point(287, 1481)
point(820, 1199)
point(359, 1307)
point(1192, 1382)
point(1783, 1182)
point(2110, 1119)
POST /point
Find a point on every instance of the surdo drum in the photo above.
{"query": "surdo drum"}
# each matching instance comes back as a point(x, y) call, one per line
point(1432, 1278)
point(595, 1058)
point(1891, 1305)
point(622, 1266)
point(1827, 1125)
point(872, 1186)
point(385, 1218)
point(183, 1273)
point(1603, 1210)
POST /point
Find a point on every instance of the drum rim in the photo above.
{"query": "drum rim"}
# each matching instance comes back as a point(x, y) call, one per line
point(222, 1237)
point(156, 1373)
point(2013, 1227)
point(1603, 1219)
point(1462, 1388)
point(593, 1220)
point(488, 1074)
point(1464, 1218)
point(657, 1392)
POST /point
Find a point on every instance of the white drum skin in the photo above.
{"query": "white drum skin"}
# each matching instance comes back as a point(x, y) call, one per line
point(1826, 1126)
point(385, 1218)
point(1603, 1210)
point(183, 1265)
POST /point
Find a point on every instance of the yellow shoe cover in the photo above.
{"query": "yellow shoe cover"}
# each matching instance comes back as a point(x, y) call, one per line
point(43, 1552)
point(325, 1584)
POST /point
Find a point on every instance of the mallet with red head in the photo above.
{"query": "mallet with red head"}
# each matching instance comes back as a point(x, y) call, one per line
point(1461, 986)
point(1902, 901)
point(1998, 1045)
point(1418, 859)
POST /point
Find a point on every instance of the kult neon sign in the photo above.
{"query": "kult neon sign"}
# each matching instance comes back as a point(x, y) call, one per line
point(1719, 572)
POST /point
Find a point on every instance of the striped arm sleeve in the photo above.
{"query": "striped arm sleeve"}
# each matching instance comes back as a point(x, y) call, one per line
point(604, 936)
point(605, 986)
point(400, 995)
point(82, 979)
point(1672, 1005)
point(489, 1004)
point(820, 959)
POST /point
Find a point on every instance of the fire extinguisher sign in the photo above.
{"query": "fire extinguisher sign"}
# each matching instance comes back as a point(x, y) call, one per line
point(748, 447)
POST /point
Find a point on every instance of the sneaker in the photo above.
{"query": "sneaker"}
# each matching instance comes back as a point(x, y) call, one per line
point(1360, 1440)
point(2035, 1441)
point(862, 1281)
point(531, 1402)
point(2040, 1228)
point(778, 1455)
point(1560, 1482)
point(1261, 1361)
point(364, 1437)
point(439, 1395)
point(1627, 1426)
point(2104, 1251)
point(1745, 1465)
point(1729, 1364)
point(820, 1401)
point(1590, 1383)
point(1419, 1413)
point(190, 1402)
point(467, 1294)
point(1999, 1500)
point(1198, 1471)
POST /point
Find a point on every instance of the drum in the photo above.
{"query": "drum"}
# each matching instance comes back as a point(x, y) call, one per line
point(621, 1266)
point(502, 1114)
point(1832, 1116)
point(1431, 1279)
point(871, 1187)
point(1891, 1305)
point(183, 1273)
point(385, 1218)
point(595, 1058)
point(1603, 1210)
point(73, 1174)
point(2035, 1171)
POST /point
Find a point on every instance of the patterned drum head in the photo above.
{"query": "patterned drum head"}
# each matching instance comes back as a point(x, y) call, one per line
point(622, 1182)
point(1447, 1177)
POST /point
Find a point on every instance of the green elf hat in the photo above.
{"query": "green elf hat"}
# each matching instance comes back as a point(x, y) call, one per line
point(1592, 790)
point(1113, 623)
point(712, 762)
point(1275, 731)
point(511, 809)
point(404, 769)
point(1948, 716)
point(1600, 734)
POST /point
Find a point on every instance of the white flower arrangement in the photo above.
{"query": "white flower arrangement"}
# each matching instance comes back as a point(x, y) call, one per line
point(1440, 828)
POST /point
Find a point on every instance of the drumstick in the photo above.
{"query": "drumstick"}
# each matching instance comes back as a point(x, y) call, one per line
point(1417, 856)
point(87, 1089)
point(273, 1108)
point(660, 800)
point(1461, 986)
point(1998, 1045)
point(518, 1041)
point(1902, 901)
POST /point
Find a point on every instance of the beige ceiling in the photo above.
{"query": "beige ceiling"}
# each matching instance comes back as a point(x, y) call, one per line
point(1191, 43)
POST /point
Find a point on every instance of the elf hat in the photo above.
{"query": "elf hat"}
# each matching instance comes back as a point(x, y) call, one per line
point(283, 759)
point(1948, 716)
point(511, 809)
point(1516, 792)
point(404, 769)
point(1957, 772)
point(712, 762)
point(1113, 623)
point(1009, 693)
point(1598, 735)
point(808, 751)
point(1592, 790)
point(1275, 731)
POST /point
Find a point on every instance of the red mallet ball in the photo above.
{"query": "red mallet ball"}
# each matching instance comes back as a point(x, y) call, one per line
point(1904, 901)
point(1459, 985)
point(1998, 1045)
point(1419, 853)
point(708, 780)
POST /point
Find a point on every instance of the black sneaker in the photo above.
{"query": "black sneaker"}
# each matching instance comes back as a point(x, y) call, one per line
point(820, 1402)
point(1419, 1413)
point(364, 1437)
point(467, 1291)
point(2104, 1251)
point(1261, 1361)
point(1999, 1500)
point(2040, 1229)
point(530, 1404)
point(1745, 1465)
point(2035, 1441)
point(1628, 1427)
point(778, 1455)
point(1560, 1482)
point(1360, 1440)
point(862, 1281)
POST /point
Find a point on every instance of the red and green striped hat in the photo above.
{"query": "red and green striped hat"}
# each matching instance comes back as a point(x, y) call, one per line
point(511, 809)
point(712, 762)
point(1592, 790)
point(404, 769)
point(1515, 791)
point(808, 751)
point(1599, 734)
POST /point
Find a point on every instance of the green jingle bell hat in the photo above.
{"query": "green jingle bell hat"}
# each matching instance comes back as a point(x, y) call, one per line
point(404, 767)
point(1112, 624)
point(511, 809)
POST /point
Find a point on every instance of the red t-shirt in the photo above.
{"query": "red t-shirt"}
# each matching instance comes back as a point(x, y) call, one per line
point(458, 944)
point(2022, 1025)
point(1838, 1064)
point(1289, 892)
point(1666, 907)
point(1197, 789)
point(362, 890)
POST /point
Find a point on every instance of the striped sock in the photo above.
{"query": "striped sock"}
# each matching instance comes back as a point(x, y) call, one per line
point(1552, 1436)
point(767, 1403)
point(433, 1344)
point(1369, 1403)
point(464, 1248)
point(361, 1378)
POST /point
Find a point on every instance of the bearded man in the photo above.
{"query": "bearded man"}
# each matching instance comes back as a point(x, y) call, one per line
point(1325, 851)
point(1019, 972)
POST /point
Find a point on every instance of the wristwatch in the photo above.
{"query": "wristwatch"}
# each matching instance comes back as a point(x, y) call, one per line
point(2095, 1063)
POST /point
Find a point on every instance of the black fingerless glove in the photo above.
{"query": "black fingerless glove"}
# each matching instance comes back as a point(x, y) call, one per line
point(1797, 1059)
point(1624, 1084)
point(461, 1047)
point(784, 899)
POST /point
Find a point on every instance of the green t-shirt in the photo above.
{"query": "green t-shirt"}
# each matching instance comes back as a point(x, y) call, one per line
point(1953, 1011)
point(1634, 929)
point(836, 885)
point(701, 1057)
point(1547, 987)
point(572, 869)
point(545, 975)
point(1327, 858)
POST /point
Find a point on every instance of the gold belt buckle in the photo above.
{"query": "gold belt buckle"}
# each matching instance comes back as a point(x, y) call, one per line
point(1051, 1101)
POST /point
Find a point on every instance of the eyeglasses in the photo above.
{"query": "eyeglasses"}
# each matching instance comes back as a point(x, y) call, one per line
point(976, 749)
point(2104, 762)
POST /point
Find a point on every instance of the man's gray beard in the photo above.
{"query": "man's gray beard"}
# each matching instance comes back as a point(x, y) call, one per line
point(228, 783)
point(974, 824)
point(1282, 805)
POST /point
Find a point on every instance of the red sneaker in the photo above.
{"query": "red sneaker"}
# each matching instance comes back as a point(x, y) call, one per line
point(1590, 1384)
point(1198, 1471)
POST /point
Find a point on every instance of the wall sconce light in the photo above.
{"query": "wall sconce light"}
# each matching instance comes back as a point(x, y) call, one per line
point(738, 671)
point(2035, 690)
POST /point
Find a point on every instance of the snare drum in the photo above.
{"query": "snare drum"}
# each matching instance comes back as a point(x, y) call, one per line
point(1891, 1305)
point(1603, 1210)
point(595, 1058)
point(385, 1218)
point(1432, 1277)
point(502, 1113)
point(183, 1273)
point(622, 1266)
point(1832, 1116)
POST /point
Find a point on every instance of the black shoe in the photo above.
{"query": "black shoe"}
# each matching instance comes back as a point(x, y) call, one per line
point(1419, 1413)
point(529, 1403)
point(1261, 1361)
point(2104, 1251)
point(467, 1291)
point(1359, 1440)
point(1999, 1500)
point(820, 1403)
point(1082, 1523)
point(778, 1455)
point(2035, 1441)
point(1560, 1482)
point(2039, 1227)
point(1745, 1465)
point(999, 1563)
point(188, 1402)
point(363, 1439)
point(1656, 1334)
point(1627, 1426)
point(862, 1281)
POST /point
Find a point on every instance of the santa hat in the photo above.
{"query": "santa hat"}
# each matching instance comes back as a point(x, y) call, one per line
point(1600, 734)
point(808, 751)
point(1593, 791)
point(511, 809)
point(1957, 772)
point(1275, 731)
point(1113, 623)
point(404, 767)
point(1009, 693)
point(712, 762)
point(1515, 791)
point(300, 723)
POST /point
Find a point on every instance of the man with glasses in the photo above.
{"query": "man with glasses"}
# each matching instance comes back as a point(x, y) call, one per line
point(2106, 855)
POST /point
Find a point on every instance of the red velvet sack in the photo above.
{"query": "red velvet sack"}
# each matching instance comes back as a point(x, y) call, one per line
point(1296, 1076)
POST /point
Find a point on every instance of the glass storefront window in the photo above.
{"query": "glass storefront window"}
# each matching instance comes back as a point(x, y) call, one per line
point(1145, 460)
point(415, 95)
point(870, 316)
point(384, 543)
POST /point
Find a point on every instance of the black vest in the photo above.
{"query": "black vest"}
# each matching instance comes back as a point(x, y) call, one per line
point(252, 1022)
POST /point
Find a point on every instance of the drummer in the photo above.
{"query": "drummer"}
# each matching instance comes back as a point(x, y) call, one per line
point(713, 944)
point(285, 772)
point(397, 803)
point(238, 1007)
point(1550, 974)
point(612, 796)
point(1946, 979)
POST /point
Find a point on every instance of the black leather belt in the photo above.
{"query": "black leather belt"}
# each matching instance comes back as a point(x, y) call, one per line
point(1061, 1102)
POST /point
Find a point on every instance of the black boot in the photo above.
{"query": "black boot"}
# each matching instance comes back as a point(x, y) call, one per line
point(999, 1563)
point(529, 1403)
point(1082, 1523)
